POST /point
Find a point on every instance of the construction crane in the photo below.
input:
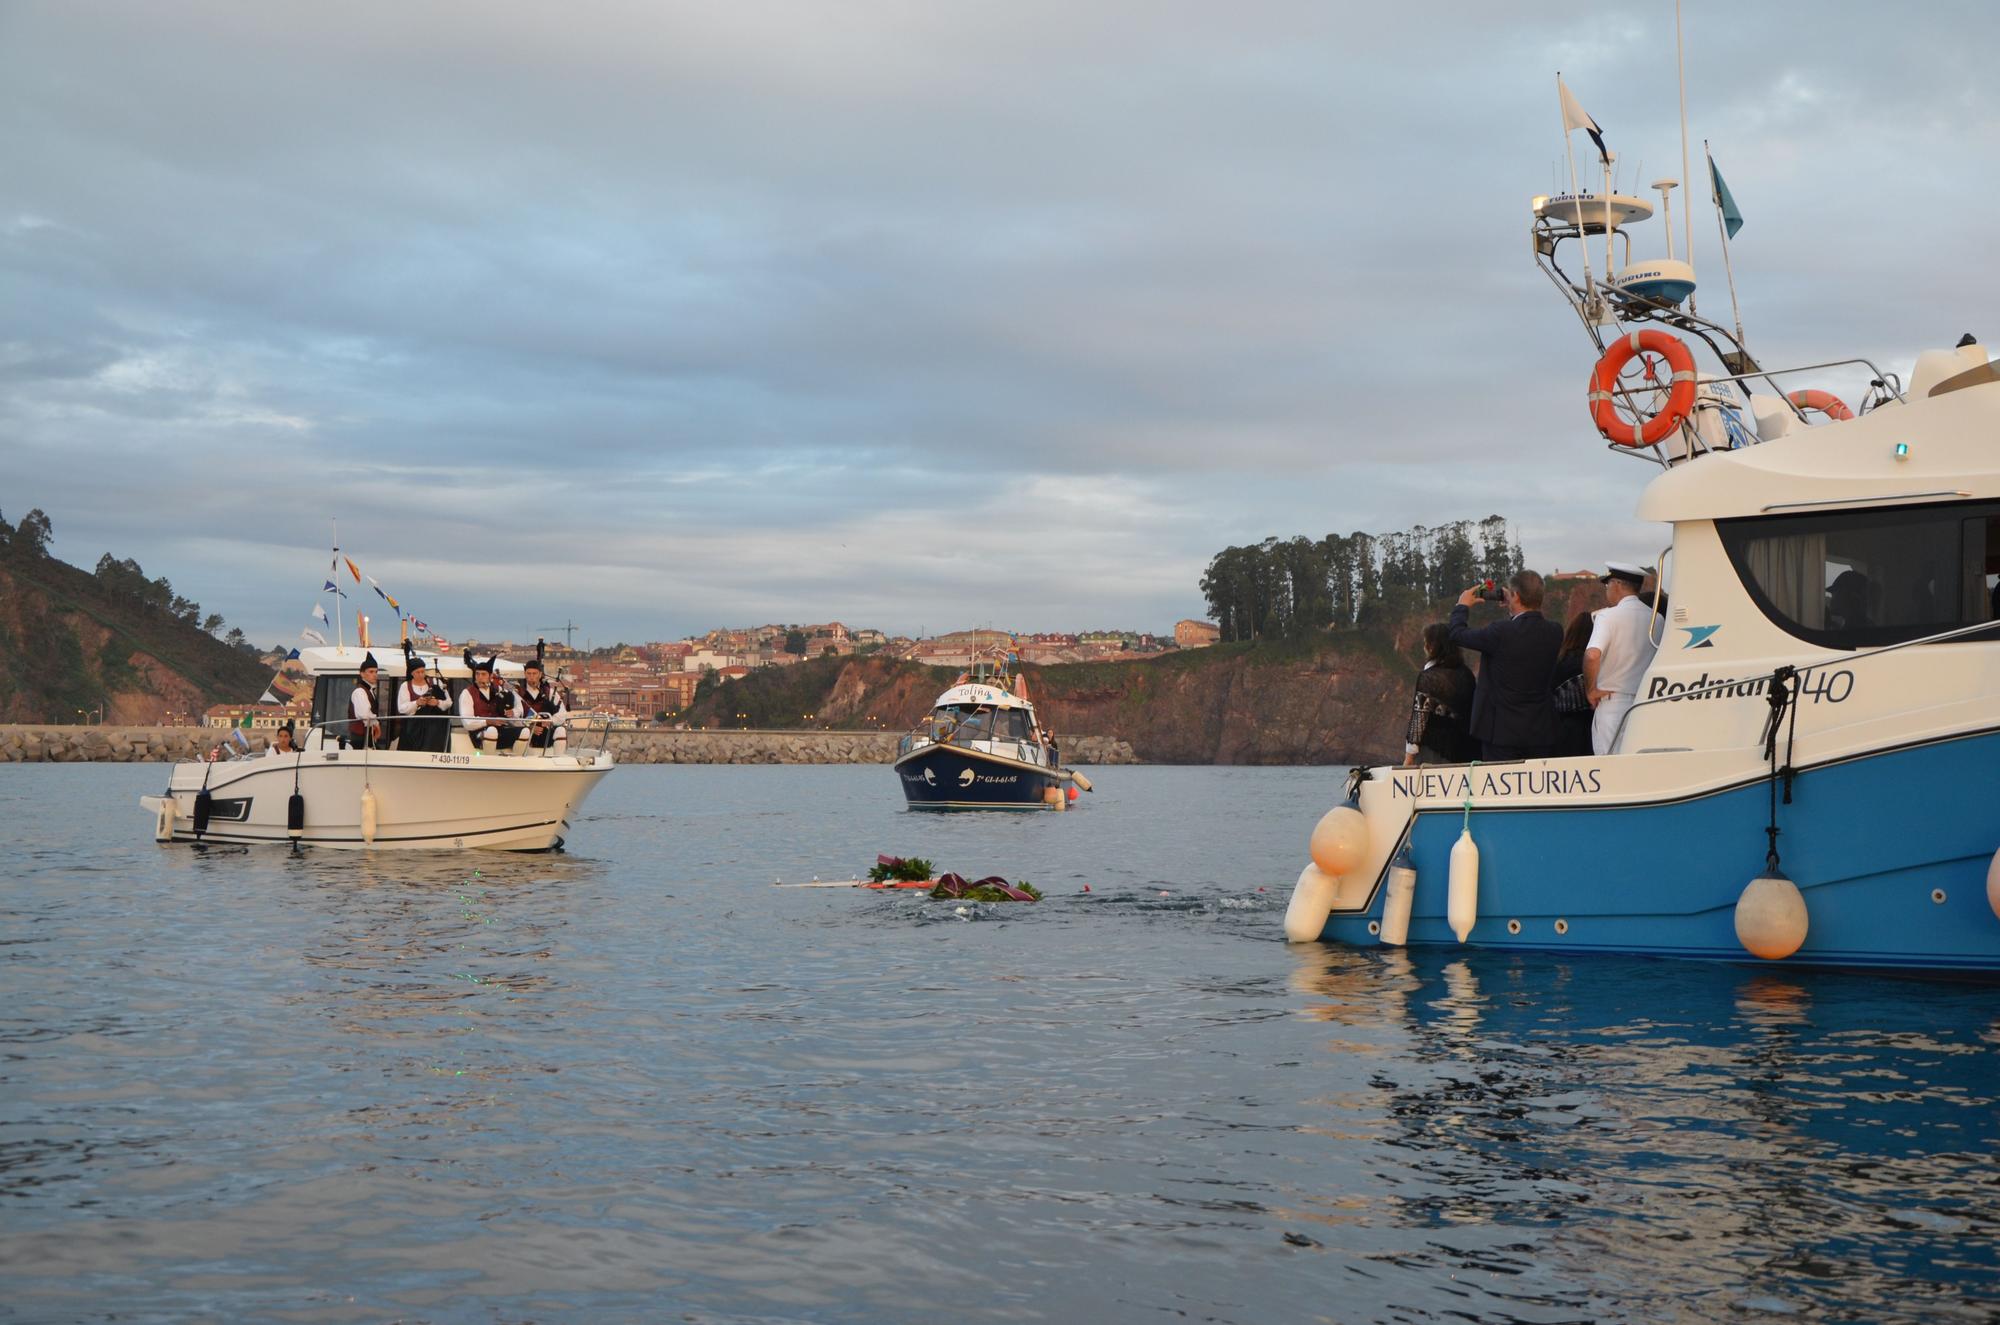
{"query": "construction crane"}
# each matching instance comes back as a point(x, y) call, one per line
point(568, 629)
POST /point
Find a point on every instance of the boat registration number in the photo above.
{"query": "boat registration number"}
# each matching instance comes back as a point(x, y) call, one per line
point(452, 759)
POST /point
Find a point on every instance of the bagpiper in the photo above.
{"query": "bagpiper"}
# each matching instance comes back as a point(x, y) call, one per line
point(422, 708)
point(486, 708)
point(543, 699)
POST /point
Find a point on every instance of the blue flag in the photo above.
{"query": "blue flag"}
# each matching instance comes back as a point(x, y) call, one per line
point(1725, 202)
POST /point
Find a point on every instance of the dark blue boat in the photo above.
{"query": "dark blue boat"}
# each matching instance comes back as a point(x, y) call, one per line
point(981, 749)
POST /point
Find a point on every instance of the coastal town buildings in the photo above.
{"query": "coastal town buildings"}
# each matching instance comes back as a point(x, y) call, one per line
point(258, 717)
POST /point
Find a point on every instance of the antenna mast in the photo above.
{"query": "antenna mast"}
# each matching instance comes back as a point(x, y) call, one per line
point(1680, 66)
point(332, 573)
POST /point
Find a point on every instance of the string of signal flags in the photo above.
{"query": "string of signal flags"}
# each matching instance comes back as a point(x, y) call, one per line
point(285, 686)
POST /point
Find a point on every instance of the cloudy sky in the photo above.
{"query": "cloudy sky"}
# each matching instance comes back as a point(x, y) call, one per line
point(662, 316)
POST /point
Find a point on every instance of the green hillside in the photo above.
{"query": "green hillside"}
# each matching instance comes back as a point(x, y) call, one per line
point(73, 643)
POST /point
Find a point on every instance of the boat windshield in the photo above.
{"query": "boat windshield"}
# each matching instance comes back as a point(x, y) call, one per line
point(982, 722)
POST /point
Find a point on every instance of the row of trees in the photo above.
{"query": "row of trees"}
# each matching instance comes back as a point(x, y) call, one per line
point(30, 538)
point(1295, 587)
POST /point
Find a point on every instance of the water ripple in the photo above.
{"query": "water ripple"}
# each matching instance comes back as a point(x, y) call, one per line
point(636, 1080)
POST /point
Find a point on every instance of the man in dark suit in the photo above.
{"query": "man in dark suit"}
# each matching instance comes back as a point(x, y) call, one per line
point(1513, 710)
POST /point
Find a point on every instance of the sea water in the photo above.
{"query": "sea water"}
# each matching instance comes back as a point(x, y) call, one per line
point(637, 1081)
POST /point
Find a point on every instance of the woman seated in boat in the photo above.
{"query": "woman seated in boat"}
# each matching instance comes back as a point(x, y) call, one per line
point(1439, 731)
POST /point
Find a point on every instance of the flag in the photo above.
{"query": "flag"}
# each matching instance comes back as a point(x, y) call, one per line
point(1725, 202)
point(355, 570)
point(419, 625)
point(313, 635)
point(237, 735)
point(320, 612)
point(378, 590)
point(268, 698)
point(374, 582)
point(393, 603)
point(1574, 117)
point(334, 589)
point(293, 654)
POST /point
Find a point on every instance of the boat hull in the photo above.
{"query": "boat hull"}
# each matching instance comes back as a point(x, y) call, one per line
point(947, 777)
point(1890, 850)
point(422, 801)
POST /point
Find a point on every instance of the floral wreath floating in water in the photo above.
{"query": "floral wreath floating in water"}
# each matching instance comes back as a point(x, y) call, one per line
point(917, 875)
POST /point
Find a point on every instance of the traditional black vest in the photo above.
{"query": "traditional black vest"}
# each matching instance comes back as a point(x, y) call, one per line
point(357, 730)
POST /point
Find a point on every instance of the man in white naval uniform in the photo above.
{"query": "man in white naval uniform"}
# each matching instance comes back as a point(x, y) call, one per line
point(1618, 654)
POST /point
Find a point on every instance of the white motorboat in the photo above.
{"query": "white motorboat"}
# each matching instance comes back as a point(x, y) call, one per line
point(333, 792)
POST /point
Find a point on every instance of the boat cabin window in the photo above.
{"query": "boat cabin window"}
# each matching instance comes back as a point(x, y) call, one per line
point(1857, 579)
point(330, 695)
point(982, 722)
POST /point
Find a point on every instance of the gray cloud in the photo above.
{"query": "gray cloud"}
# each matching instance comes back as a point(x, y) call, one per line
point(665, 315)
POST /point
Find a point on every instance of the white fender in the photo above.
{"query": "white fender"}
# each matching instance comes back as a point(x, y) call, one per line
point(1401, 895)
point(1462, 898)
point(163, 831)
point(1771, 918)
point(1993, 884)
point(1311, 904)
point(1081, 780)
point(370, 815)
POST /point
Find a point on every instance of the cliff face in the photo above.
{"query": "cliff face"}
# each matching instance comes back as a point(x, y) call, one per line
point(1342, 698)
point(69, 645)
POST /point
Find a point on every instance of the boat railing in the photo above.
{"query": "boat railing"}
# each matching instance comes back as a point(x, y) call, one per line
point(1607, 310)
point(578, 733)
point(1641, 398)
point(1990, 629)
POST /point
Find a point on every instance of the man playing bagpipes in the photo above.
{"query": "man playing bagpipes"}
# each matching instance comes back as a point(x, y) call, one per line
point(486, 708)
point(423, 708)
point(543, 699)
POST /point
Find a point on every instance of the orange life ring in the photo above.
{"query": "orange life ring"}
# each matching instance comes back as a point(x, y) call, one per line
point(1824, 401)
point(1604, 386)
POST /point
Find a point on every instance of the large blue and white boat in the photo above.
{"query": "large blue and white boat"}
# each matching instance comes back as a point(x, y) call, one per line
point(1811, 772)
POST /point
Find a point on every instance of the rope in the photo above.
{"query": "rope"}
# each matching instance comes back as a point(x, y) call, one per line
point(1783, 695)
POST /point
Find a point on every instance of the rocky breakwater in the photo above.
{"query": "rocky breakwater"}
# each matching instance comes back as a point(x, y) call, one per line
point(130, 745)
point(808, 747)
point(26, 744)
